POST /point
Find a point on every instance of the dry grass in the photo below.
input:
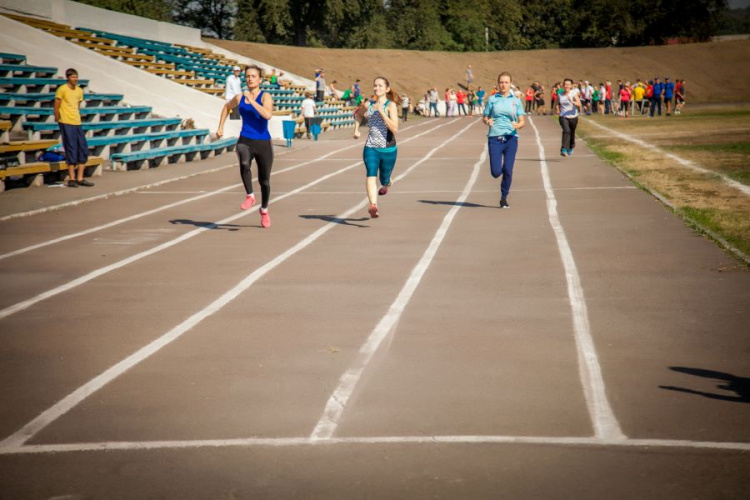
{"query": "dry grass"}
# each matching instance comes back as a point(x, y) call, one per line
point(715, 72)
point(713, 139)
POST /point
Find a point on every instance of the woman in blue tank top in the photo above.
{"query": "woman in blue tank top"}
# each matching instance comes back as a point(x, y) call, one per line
point(256, 108)
point(380, 149)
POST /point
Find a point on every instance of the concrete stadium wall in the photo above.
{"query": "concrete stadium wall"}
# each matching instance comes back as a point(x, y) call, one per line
point(78, 14)
point(107, 75)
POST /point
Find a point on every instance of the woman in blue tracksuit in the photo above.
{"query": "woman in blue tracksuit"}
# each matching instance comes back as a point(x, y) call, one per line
point(504, 115)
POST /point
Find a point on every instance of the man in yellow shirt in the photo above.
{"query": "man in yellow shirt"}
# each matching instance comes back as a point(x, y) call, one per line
point(639, 92)
point(68, 100)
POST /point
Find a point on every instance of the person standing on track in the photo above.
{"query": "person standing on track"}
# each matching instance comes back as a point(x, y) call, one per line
point(256, 109)
point(567, 107)
point(504, 115)
point(380, 151)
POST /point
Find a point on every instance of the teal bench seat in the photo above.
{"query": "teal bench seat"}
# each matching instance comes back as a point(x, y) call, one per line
point(155, 136)
point(18, 58)
point(95, 110)
point(38, 81)
point(50, 96)
point(122, 124)
point(156, 156)
point(12, 69)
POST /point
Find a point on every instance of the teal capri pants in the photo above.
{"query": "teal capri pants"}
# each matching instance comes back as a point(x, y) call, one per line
point(380, 162)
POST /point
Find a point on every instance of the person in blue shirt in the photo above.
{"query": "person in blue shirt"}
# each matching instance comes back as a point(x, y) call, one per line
point(656, 96)
point(256, 110)
point(668, 95)
point(504, 115)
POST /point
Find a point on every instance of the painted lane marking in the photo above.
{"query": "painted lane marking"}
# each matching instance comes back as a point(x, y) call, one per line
point(149, 186)
point(20, 306)
point(603, 418)
point(334, 409)
point(156, 210)
point(29, 430)
point(685, 163)
point(385, 440)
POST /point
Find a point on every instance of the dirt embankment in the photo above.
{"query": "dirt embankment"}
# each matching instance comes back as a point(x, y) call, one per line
point(714, 72)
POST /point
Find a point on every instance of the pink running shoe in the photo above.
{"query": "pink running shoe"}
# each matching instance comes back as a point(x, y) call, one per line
point(374, 211)
point(249, 202)
point(265, 220)
point(384, 190)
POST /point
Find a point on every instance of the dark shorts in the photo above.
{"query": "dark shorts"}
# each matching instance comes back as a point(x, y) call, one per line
point(74, 143)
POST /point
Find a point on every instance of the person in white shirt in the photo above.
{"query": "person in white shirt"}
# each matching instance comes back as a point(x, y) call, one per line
point(233, 87)
point(404, 106)
point(308, 111)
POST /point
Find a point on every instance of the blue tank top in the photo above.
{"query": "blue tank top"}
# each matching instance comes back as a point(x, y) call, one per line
point(254, 126)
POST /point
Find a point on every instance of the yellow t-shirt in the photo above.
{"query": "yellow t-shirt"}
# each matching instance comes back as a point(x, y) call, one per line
point(69, 105)
point(639, 93)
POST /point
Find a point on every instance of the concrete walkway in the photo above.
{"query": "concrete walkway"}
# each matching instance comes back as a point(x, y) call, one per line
point(583, 344)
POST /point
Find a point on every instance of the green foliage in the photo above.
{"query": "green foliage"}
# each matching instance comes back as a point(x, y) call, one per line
point(455, 25)
point(158, 10)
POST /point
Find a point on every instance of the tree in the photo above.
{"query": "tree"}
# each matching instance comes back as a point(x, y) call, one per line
point(213, 17)
point(158, 10)
point(246, 24)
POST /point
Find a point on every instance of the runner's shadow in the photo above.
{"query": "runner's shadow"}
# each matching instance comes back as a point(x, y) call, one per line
point(463, 204)
point(732, 383)
point(208, 225)
point(337, 220)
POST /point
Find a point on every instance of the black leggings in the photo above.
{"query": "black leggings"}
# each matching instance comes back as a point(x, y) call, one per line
point(569, 132)
point(262, 151)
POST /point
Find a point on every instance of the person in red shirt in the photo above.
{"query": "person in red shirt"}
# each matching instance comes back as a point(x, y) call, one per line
point(461, 100)
point(608, 98)
point(529, 99)
point(625, 94)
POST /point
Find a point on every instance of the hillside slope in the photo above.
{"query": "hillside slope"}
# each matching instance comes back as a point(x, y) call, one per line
point(715, 72)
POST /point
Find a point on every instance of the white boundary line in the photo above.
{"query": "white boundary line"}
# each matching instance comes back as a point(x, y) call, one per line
point(334, 409)
point(144, 190)
point(29, 430)
point(685, 163)
point(156, 210)
point(306, 441)
point(20, 306)
point(603, 418)
point(146, 186)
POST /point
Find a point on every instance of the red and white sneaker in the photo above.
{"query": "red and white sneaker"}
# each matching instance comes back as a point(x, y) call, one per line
point(374, 211)
point(249, 202)
point(265, 220)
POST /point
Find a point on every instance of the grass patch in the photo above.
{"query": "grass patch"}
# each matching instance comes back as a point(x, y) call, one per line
point(719, 221)
point(715, 140)
point(726, 147)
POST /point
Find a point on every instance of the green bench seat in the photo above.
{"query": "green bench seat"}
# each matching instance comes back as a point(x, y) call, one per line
point(121, 124)
point(38, 82)
point(154, 136)
point(17, 58)
point(95, 110)
point(9, 70)
point(155, 156)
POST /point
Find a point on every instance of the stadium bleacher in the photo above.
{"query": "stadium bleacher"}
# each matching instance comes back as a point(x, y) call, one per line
point(194, 67)
point(126, 135)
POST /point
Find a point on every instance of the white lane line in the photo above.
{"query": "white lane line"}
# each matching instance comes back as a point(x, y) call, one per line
point(139, 189)
point(149, 186)
point(159, 209)
point(685, 163)
point(334, 409)
point(20, 306)
point(70, 401)
point(603, 418)
point(385, 440)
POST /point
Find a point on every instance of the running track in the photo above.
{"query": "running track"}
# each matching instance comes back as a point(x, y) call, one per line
point(583, 344)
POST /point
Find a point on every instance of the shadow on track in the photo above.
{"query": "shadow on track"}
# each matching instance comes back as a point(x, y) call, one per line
point(463, 204)
point(337, 220)
point(738, 385)
point(209, 225)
